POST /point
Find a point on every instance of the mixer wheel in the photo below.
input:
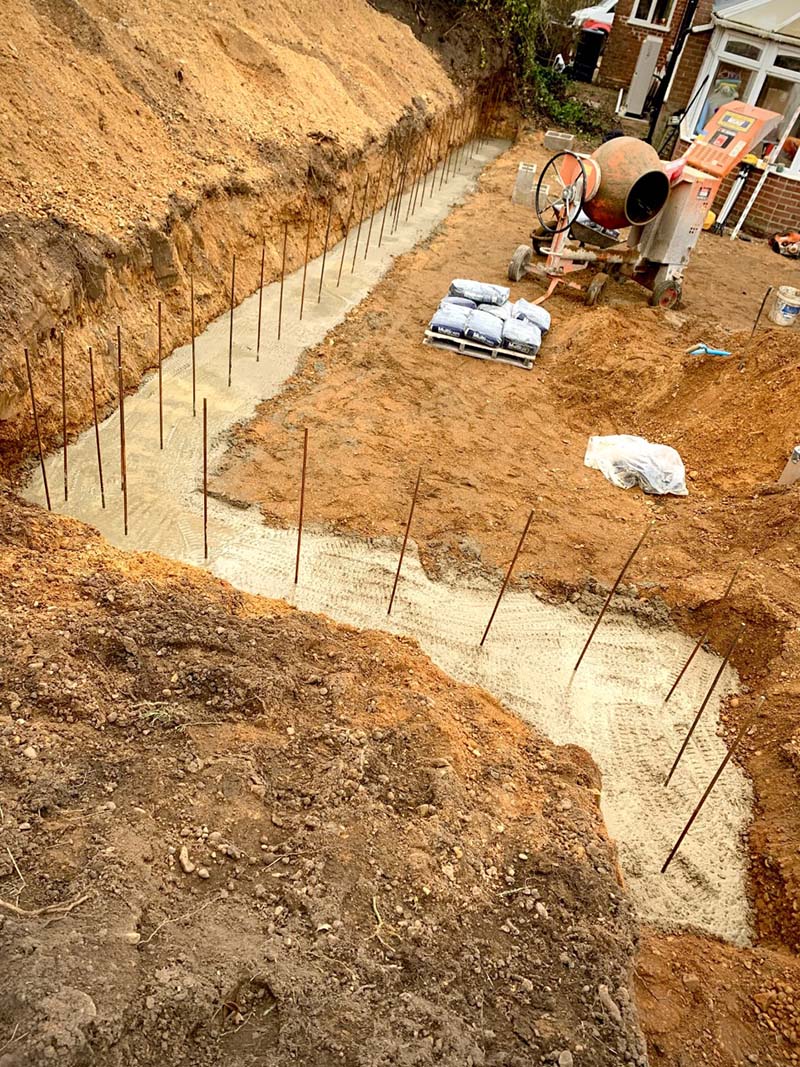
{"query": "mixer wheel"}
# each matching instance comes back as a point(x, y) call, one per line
point(518, 266)
point(666, 294)
point(595, 289)
point(560, 192)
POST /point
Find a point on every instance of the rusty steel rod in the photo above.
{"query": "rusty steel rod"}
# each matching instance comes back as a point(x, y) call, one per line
point(260, 298)
point(205, 478)
point(302, 505)
point(38, 432)
point(194, 358)
point(360, 224)
point(620, 576)
point(375, 203)
point(704, 636)
point(64, 417)
point(420, 171)
point(325, 248)
point(283, 276)
point(706, 699)
point(305, 259)
point(507, 578)
point(123, 463)
point(160, 386)
point(401, 184)
point(728, 755)
point(96, 429)
point(405, 541)
point(388, 199)
point(230, 335)
point(346, 233)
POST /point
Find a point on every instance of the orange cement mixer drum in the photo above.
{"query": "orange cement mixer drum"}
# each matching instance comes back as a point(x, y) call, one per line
point(633, 188)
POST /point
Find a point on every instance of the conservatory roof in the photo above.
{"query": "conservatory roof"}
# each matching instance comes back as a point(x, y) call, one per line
point(767, 18)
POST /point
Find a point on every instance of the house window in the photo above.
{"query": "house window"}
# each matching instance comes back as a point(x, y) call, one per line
point(756, 71)
point(652, 12)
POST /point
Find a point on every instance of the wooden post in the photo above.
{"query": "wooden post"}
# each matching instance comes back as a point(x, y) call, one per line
point(64, 417)
point(507, 578)
point(405, 542)
point(205, 478)
point(194, 361)
point(160, 386)
point(706, 699)
point(283, 275)
point(38, 432)
point(123, 464)
point(742, 731)
point(260, 298)
point(96, 430)
point(302, 505)
point(620, 576)
point(230, 335)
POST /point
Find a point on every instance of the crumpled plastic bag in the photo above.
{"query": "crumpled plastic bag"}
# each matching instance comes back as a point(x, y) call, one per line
point(627, 460)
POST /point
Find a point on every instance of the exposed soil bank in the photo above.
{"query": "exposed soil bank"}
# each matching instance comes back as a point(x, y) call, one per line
point(289, 842)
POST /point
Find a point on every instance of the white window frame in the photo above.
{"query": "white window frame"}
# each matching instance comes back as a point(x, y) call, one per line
point(763, 68)
point(659, 27)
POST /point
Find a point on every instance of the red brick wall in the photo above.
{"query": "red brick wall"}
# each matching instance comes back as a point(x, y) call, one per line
point(777, 208)
point(624, 42)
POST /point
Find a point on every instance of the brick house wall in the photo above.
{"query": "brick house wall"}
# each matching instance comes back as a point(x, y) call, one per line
point(625, 40)
point(776, 210)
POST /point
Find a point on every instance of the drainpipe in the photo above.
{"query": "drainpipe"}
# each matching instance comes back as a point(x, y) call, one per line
point(672, 63)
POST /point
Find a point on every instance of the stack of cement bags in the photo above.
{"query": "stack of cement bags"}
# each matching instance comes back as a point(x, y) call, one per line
point(477, 311)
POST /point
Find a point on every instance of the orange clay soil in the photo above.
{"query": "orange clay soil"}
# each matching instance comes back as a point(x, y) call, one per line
point(495, 440)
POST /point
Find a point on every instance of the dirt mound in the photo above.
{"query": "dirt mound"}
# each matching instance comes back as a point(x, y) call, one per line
point(236, 833)
point(140, 147)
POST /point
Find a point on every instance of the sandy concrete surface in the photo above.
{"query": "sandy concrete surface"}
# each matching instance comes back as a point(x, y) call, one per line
point(613, 707)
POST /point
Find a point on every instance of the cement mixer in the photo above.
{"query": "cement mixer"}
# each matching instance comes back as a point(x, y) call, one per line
point(584, 201)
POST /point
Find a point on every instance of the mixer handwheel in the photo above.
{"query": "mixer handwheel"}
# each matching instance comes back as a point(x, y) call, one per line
point(560, 192)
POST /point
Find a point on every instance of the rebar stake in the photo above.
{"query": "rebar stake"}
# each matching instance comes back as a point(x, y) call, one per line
point(160, 386)
point(302, 505)
point(194, 361)
point(346, 232)
point(405, 542)
point(305, 260)
point(64, 417)
point(706, 699)
point(205, 478)
point(230, 335)
point(507, 578)
point(123, 463)
point(742, 731)
point(620, 576)
point(283, 276)
point(360, 224)
point(36, 426)
point(260, 298)
point(704, 637)
point(325, 248)
point(375, 203)
point(96, 429)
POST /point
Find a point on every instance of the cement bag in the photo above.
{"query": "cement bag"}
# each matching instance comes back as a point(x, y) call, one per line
point(534, 313)
point(522, 336)
point(627, 460)
point(485, 328)
point(457, 301)
point(501, 311)
point(450, 320)
point(480, 292)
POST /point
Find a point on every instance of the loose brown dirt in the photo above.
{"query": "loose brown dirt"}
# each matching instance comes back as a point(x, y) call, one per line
point(234, 833)
point(495, 441)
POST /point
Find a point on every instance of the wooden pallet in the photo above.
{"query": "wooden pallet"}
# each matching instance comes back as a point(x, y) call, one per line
point(469, 347)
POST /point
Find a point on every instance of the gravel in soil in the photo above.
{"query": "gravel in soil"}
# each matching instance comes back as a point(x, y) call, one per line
point(235, 833)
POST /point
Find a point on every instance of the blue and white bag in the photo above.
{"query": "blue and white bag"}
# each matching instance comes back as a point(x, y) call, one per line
point(533, 313)
point(480, 292)
point(450, 320)
point(522, 336)
point(485, 328)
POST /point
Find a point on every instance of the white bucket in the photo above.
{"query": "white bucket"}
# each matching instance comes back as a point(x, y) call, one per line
point(785, 306)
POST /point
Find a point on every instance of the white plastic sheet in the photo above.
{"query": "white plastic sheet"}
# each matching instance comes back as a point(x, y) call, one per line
point(627, 460)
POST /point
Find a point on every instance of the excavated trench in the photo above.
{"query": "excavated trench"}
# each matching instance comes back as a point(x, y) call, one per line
point(613, 707)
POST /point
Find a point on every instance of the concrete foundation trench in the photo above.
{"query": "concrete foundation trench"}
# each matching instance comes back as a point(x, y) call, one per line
point(613, 707)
